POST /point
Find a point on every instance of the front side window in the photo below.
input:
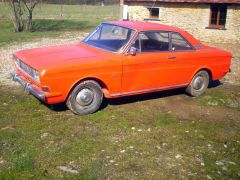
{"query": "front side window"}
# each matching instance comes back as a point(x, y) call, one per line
point(154, 41)
point(179, 43)
point(109, 37)
point(218, 16)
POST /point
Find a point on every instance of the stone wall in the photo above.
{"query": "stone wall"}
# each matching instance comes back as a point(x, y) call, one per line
point(194, 18)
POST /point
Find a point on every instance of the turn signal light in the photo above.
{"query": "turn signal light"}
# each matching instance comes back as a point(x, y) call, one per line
point(45, 89)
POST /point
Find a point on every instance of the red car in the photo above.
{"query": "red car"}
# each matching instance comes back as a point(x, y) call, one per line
point(119, 58)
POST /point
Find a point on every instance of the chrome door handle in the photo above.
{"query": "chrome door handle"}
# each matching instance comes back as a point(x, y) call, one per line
point(171, 57)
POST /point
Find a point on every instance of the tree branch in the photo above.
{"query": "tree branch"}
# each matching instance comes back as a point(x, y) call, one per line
point(34, 4)
point(25, 3)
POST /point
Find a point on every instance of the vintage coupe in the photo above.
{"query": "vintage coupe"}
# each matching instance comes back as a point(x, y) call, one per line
point(119, 58)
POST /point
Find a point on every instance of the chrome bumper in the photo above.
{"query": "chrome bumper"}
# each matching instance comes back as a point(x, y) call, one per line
point(29, 88)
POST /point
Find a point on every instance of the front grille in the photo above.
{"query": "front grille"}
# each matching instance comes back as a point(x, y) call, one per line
point(26, 68)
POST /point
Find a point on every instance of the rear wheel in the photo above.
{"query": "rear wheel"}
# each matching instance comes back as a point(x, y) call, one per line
point(198, 84)
point(86, 98)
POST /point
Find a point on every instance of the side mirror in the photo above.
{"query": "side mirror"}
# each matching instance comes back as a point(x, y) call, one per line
point(133, 50)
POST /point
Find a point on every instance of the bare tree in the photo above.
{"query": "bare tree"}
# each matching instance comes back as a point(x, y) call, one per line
point(30, 7)
point(17, 13)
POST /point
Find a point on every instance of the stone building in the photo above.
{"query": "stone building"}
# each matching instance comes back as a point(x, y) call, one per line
point(208, 20)
point(215, 22)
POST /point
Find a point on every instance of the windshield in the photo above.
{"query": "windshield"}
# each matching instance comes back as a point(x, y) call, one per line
point(109, 37)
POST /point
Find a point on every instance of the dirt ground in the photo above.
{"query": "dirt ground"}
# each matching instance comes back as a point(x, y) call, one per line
point(177, 103)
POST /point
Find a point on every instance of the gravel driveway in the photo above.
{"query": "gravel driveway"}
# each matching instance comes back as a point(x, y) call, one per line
point(6, 64)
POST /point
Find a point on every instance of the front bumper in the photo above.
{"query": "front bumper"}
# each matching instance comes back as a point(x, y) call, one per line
point(28, 87)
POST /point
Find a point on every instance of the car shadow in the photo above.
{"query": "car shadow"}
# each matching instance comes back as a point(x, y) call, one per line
point(134, 98)
point(57, 107)
point(154, 95)
point(144, 97)
point(215, 83)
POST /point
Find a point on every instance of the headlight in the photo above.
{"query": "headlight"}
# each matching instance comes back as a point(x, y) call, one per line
point(36, 75)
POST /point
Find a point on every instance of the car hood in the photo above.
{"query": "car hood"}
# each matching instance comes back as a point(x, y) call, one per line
point(42, 58)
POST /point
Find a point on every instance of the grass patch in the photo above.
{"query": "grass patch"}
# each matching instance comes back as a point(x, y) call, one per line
point(165, 120)
point(4, 11)
point(123, 141)
point(107, 12)
point(57, 11)
point(50, 21)
point(44, 28)
point(220, 98)
point(64, 25)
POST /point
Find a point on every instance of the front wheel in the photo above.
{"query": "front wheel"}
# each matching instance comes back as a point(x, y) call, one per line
point(198, 84)
point(86, 98)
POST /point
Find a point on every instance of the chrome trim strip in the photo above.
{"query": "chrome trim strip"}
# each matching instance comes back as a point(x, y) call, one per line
point(149, 90)
point(27, 86)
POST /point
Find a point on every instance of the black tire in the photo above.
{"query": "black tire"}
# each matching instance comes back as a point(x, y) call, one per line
point(85, 98)
point(198, 84)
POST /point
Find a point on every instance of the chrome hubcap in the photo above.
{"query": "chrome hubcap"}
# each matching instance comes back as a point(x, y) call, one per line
point(84, 97)
point(198, 83)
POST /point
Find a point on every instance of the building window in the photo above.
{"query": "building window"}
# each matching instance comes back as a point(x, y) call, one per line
point(153, 13)
point(218, 16)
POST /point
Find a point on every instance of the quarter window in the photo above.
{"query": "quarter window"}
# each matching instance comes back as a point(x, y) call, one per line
point(154, 41)
point(218, 16)
point(179, 43)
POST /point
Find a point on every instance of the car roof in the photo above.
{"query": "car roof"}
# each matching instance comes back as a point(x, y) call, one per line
point(145, 26)
point(149, 26)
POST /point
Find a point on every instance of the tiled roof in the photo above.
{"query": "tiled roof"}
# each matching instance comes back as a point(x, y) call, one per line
point(189, 1)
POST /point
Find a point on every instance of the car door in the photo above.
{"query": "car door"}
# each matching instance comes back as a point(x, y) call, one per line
point(186, 59)
point(151, 67)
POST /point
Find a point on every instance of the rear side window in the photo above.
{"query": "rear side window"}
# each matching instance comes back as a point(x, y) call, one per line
point(154, 41)
point(179, 43)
